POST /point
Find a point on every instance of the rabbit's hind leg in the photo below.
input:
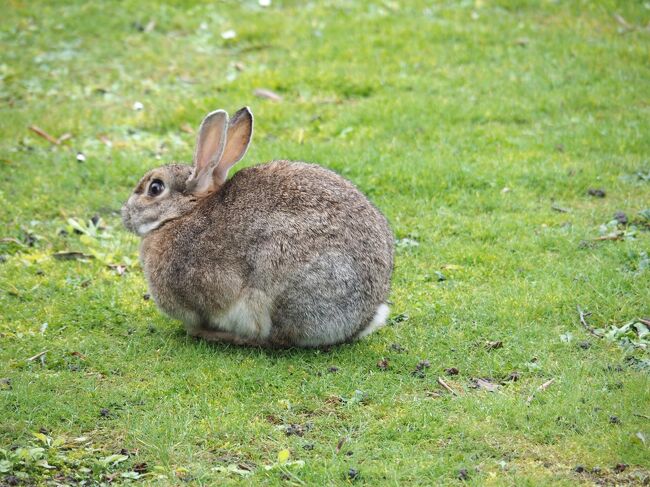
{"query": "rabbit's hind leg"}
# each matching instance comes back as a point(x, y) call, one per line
point(321, 305)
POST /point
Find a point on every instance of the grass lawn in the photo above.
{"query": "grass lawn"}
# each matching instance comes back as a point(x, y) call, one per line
point(486, 131)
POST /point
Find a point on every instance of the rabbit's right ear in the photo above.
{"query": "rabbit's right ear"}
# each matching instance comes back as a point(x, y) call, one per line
point(240, 132)
point(210, 145)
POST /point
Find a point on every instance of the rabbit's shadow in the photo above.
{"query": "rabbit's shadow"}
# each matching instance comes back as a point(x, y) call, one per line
point(209, 348)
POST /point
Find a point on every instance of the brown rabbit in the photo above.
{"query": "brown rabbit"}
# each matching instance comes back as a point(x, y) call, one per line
point(282, 254)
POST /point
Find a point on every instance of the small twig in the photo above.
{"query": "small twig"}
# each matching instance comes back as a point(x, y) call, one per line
point(645, 321)
point(539, 389)
point(11, 240)
point(624, 23)
point(42, 133)
point(611, 236)
point(145, 443)
point(446, 386)
point(559, 209)
point(64, 137)
point(38, 355)
point(583, 321)
point(641, 416)
point(268, 94)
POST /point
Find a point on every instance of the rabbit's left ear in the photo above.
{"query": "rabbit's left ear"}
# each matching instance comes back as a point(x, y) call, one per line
point(210, 145)
point(238, 138)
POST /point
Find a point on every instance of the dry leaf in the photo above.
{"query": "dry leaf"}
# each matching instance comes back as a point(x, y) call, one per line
point(340, 443)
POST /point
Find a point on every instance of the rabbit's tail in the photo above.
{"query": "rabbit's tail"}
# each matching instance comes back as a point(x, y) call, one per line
point(379, 320)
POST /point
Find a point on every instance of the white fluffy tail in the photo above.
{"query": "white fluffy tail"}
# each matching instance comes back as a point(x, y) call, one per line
point(378, 321)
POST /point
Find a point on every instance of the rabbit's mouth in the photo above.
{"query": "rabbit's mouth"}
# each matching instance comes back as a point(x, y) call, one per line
point(135, 226)
point(145, 228)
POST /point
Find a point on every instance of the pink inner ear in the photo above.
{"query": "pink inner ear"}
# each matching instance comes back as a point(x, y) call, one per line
point(240, 131)
point(220, 175)
point(210, 142)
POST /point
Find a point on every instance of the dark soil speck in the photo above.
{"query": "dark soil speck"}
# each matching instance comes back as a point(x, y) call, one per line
point(423, 364)
point(596, 192)
point(11, 480)
point(621, 217)
point(420, 368)
point(296, 429)
point(620, 467)
point(513, 377)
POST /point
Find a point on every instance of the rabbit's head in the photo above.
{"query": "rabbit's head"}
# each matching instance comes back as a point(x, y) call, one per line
point(171, 191)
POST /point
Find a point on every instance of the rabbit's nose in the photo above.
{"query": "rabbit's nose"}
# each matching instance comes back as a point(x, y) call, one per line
point(126, 217)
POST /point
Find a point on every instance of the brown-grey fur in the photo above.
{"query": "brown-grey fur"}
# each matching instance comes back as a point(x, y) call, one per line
point(292, 238)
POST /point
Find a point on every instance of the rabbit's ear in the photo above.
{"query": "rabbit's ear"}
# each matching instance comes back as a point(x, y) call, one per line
point(210, 146)
point(240, 132)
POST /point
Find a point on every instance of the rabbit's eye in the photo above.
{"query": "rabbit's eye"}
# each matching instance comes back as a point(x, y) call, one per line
point(156, 187)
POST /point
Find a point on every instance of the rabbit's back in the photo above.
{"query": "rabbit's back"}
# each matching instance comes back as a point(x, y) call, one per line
point(285, 213)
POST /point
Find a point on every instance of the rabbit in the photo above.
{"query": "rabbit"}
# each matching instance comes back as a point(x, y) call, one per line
point(283, 254)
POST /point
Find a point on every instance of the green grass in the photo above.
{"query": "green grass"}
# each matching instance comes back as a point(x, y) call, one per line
point(465, 122)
